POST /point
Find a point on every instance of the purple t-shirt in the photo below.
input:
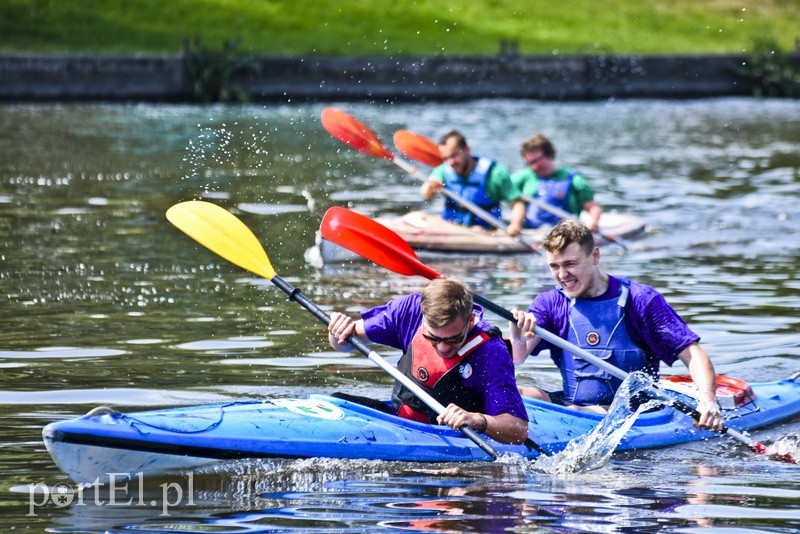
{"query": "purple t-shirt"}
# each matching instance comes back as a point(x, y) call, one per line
point(652, 323)
point(395, 323)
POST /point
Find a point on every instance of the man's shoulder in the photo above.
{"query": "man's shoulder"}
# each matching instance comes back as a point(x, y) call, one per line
point(439, 172)
point(497, 168)
point(578, 179)
point(551, 294)
point(566, 172)
point(548, 300)
point(397, 306)
point(522, 175)
point(643, 294)
point(639, 287)
point(412, 300)
point(491, 352)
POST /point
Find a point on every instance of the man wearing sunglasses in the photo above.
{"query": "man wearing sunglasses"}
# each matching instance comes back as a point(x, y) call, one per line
point(561, 187)
point(451, 352)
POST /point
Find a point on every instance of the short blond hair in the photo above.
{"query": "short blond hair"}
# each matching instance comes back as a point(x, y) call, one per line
point(566, 232)
point(444, 300)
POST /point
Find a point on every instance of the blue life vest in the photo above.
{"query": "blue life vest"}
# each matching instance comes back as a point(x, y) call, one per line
point(598, 326)
point(553, 192)
point(472, 188)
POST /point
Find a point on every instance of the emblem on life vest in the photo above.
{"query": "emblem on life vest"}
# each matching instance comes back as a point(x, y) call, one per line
point(465, 371)
point(593, 338)
point(422, 374)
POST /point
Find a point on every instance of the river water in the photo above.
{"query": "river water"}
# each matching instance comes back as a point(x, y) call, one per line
point(105, 303)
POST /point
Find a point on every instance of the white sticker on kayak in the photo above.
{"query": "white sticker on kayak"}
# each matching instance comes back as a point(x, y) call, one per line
point(312, 408)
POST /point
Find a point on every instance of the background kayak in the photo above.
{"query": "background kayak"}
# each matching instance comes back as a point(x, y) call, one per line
point(429, 232)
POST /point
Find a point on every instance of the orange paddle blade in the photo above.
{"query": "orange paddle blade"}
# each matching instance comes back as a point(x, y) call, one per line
point(418, 147)
point(354, 133)
point(372, 241)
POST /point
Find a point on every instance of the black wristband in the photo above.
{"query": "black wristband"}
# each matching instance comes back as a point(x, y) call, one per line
point(485, 424)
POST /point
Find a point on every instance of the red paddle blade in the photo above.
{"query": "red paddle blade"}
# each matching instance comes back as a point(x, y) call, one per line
point(373, 241)
point(418, 148)
point(788, 458)
point(760, 448)
point(353, 132)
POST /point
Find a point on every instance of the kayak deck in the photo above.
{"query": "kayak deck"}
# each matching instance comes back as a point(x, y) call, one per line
point(179, 439)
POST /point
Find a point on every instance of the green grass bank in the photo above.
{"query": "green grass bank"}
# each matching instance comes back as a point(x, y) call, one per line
point(387, 28)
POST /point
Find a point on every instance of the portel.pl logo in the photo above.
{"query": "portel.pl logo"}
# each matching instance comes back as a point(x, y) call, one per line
point(119, 490)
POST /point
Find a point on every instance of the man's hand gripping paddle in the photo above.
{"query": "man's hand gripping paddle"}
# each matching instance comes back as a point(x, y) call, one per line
point(384, 247)
point(222, 232)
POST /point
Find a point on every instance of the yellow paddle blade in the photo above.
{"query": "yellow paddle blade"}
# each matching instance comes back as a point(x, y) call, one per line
point(222, 232)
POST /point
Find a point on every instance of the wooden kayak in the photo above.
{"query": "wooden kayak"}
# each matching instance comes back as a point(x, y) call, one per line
point(429, 232)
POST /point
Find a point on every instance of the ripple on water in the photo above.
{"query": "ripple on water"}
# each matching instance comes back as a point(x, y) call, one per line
point(272, 209)
point(111, 396)
point(61, 352)
point(215, 346)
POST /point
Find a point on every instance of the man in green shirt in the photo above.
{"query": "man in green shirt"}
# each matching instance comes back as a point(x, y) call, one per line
point(478, 179)
point(561, 187)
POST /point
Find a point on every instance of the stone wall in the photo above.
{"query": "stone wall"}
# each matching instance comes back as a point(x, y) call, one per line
point(162, 78)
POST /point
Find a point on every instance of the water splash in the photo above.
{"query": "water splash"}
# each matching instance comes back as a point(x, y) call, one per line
point(222, 152)
point(308, 474)
point(593, 450)
point(786, 448)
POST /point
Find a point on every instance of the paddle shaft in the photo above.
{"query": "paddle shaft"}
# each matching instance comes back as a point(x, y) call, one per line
point(469, 205)
point(296, 295)
point(381, 245)
point(653, 393)
point(563, 214)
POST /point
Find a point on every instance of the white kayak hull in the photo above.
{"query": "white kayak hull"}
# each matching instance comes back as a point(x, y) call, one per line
point(428, 232)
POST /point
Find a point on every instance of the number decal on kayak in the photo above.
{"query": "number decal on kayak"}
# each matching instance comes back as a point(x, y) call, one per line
point(312, 408)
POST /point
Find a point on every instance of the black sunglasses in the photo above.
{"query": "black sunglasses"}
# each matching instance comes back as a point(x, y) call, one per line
point(454, 340)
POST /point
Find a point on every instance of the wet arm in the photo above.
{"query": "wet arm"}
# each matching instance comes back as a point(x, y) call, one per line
point(518, 208)
point(703, 375)
point(504, 428)
point(523, 339)
point(431, 187)
point(594, 211)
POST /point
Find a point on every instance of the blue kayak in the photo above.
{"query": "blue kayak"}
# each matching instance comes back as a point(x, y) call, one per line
point(181, 439)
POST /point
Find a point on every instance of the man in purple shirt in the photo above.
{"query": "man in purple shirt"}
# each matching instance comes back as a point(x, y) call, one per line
point(449, 351)
point(627, 324)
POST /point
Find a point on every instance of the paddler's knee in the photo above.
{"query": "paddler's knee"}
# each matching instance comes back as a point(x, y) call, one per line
point(535, 393)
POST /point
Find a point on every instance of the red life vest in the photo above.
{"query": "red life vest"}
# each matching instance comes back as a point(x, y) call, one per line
point(440, 377)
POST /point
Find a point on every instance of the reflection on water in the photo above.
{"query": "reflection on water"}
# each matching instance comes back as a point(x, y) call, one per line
point(354, 496)
point(106, 303)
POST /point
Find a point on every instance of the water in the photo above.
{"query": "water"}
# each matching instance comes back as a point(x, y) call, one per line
point(107, 303)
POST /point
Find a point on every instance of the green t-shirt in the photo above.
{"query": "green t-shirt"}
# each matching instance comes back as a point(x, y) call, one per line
point(499, 186)
point(579, 192)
